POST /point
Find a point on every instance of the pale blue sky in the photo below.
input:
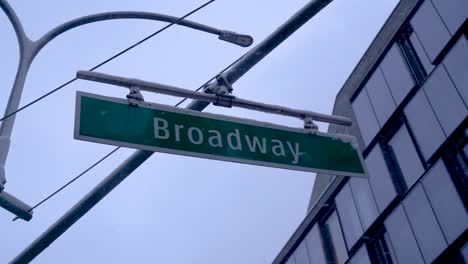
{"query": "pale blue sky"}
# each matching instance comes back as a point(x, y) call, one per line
point(173, 209)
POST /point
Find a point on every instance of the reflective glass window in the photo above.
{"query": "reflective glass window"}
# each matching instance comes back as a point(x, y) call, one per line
point(360, 257)
point(379, 178)
point(406, 156)
point(347, 211)
point(301, 255)
point(315, 247)
point(380, 97)
point(365, 202)
point(402, 239)
point(445, 201)
point(365, 117)
point(428, 234)
point(381, 249)
point(396, 73)
point(428, 66)
point(424, 124)
point(291, 260)
point(430, 29)
point(456, 63)
point(445, 100)
point(453, 12)
point(464, 253)
point(332, 225)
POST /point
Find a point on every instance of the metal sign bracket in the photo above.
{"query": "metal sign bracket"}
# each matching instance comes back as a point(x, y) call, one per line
point(135, 97)
point(309, 125)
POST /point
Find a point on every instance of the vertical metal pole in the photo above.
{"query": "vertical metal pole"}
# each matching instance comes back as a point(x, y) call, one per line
point(82, 207)
point(29, 49)
point(257, 53)
point(134, 161)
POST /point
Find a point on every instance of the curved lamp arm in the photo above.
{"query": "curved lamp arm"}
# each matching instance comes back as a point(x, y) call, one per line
point(29, 49)
point(238, 39)
point(17, 26)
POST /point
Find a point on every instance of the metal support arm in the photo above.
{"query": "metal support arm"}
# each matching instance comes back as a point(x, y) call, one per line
point(29, 49)
point(134, 161)
point(222, 98)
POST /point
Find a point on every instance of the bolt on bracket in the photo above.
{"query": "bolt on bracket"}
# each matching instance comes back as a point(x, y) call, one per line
point(134, 97)
point(222, 89)
point(309, 124)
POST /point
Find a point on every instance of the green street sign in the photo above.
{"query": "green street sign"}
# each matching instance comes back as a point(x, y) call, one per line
point(173, 130)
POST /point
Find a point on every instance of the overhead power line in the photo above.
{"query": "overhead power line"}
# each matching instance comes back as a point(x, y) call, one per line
point(117, 148)
point(106, 61)
point(92, 69)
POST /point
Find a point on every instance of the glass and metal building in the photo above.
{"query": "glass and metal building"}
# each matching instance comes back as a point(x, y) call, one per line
point(408, 98)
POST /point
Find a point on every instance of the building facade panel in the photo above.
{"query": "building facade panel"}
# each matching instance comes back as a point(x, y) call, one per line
point(445, 100)
point(453, 13)
point(380, 178)
point(424, 124)
point(397, 74)
point(457, 66)
point(339, 253)
point(315, 246)
point(406, 156)
point(430, 29)
point(421, 53)
point(402, 237)
point(424, 224)
point(409, 98)
point(445, 201)
point(361, 257)
point(380, 97)
point(366, 118)
point(365, 202)
point(347, 211)
point(301, 255)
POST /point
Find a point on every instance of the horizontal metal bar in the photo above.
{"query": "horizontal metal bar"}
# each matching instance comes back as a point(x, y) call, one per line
point(15, 206)
point(212, 98)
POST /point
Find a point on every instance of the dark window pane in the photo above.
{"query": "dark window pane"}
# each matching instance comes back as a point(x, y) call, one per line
point(401, 236)
point(456, 63)
point(447, 104)
point(430, 29)
point(465, 148)
point(301, 255)
point(380, 97)
point(360, 257)
point(406, 156)
point(314, 244)
point(365, 203)
point(380, 249)
point(397, 74)
point(464, 253)
point(365, 117)
point(422, 55)
point(424, 124)
point(430, 239)
point(453, 12)
point(445, 201)
point(336, 236)
point(352, 228)
point(379, 178)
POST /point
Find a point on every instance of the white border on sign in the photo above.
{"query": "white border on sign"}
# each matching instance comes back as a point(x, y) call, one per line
point(344, 138)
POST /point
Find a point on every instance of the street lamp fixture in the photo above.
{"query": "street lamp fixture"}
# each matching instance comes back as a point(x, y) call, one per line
point(28, 51)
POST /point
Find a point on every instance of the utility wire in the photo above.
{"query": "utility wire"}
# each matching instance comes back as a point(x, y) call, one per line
point(106, 61)
point(117, 148)
point(92, 69)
